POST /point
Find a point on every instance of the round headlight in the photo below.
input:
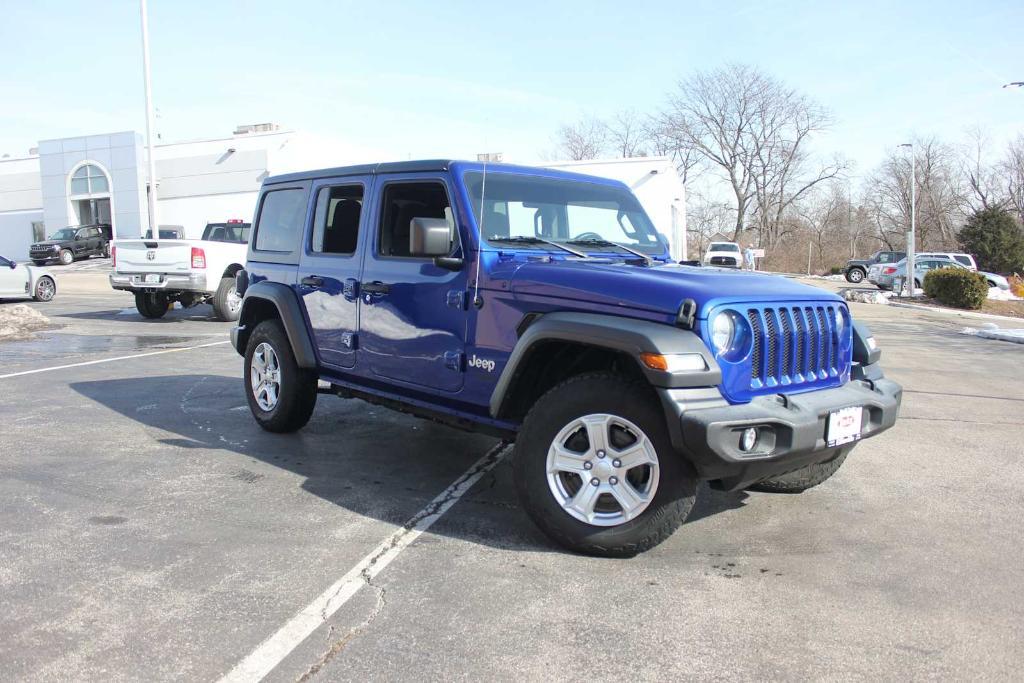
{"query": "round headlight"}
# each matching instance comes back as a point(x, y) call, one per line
point(723, 330)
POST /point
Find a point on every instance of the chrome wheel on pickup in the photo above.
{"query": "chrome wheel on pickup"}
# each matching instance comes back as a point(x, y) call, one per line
point(281, 395)
point(595, 468)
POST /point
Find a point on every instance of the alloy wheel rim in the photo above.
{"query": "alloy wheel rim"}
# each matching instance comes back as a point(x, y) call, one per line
point(602, 470)
point(45, 289)
point(265, 376)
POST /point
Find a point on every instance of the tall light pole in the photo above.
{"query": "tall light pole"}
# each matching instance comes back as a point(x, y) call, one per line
point(913, 218)
point(151, 198)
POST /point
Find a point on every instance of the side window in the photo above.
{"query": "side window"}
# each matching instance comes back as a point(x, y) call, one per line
point(280, 220)
point(963, 260)
point(336, 222)
point(404, 201)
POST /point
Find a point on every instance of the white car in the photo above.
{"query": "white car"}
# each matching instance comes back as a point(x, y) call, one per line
point(965, 260)
point(163, 271)
point(21, 281)
point(726, 254)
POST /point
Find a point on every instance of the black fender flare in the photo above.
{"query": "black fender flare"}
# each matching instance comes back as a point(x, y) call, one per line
point(627, 335)
point(289, 311)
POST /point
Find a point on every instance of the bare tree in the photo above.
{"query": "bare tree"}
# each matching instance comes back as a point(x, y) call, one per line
point(938, 196)
point(1012, 170)
point(585, 139)
point(626, 134)
point(982, 179)
point(754, 130)
point(663, 143)
point(705, 218)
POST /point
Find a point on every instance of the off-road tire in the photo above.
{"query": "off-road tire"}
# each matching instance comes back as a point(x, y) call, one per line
point(804, 478)
point(601, 392)
point(855, 275)
point(151, 306)
point(66, 257)
point(220, 300)
point(297, 395)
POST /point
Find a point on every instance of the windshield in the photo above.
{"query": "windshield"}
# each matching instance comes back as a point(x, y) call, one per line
point(227, 232)
point(724, 246)
point(64, 234)
point(560, 211)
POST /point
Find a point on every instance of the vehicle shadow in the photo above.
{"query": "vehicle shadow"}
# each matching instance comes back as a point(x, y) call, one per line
point(129, 315)
point(369, 460)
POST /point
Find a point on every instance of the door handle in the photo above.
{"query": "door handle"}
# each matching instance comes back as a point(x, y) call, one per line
point(375, 287)
point(313, 281)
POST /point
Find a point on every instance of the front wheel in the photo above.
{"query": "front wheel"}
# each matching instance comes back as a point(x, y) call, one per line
point(595, 469)
point(855, 275)
point(151, 306)
point(281, 395)
point(804, 478)
point(46, 288)
point(66, 257)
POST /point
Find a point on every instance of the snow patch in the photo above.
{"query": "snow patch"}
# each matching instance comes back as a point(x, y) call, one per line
point(866, 296)
point(996, 294)
point(20, 321)
point(991, 331)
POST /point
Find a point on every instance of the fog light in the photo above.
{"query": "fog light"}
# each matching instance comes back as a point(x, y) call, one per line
point(749, 439)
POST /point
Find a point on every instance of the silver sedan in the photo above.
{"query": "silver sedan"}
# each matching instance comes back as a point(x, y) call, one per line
point(21, 281)
point(889, 273)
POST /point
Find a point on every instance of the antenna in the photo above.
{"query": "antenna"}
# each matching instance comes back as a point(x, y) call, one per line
point(477, 301)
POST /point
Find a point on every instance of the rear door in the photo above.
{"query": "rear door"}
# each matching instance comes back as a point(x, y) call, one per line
point(328, 277)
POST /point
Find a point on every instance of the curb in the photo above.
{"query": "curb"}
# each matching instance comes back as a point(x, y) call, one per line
point(953, 311)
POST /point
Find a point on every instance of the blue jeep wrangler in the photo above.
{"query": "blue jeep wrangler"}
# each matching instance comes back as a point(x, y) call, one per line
point(543, 307)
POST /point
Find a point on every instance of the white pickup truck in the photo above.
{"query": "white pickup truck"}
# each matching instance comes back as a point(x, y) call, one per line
point(163, 271)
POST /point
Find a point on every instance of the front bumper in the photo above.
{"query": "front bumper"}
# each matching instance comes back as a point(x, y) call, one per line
point(792, 428)
point(135, 282)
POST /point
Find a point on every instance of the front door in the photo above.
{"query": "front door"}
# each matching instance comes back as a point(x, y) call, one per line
point(412, 319)
point(12, 280)
point(329, 268)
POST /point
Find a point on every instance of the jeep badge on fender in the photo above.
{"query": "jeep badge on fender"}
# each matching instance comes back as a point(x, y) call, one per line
point(626, 378)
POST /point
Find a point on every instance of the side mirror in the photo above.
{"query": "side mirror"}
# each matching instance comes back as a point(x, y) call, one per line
point(429, 237)
point(12, 264)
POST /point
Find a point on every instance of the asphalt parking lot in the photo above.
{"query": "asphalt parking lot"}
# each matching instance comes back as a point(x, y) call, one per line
point(150, 530)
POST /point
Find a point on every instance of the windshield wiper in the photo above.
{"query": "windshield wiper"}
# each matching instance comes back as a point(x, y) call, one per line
point(525, 239)
point(606, 243)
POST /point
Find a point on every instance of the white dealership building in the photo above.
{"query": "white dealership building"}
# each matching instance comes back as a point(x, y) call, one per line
point(103, 178)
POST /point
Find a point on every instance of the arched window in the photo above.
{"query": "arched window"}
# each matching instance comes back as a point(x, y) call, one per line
point(89, 179)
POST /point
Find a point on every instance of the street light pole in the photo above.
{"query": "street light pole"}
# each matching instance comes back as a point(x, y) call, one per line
point(911, 241)
point(151, 198)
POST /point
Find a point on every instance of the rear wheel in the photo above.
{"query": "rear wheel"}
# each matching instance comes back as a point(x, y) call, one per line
point(855, 275)
point(45, 289)
point(106, 250)
point(226, 302)
point(281, 395)
point(595, 470)
point(151, 306)
point(804, 478)
point(66, 257)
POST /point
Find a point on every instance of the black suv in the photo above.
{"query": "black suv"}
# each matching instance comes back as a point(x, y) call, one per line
point(72, 243)
point(857, 269)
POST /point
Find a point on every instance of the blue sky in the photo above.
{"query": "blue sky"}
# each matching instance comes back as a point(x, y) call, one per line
point(451, 78)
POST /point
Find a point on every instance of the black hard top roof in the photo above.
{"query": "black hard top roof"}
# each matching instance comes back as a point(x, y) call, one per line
point(365, 169)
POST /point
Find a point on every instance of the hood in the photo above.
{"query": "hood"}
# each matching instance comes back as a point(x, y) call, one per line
point(49, 243)
point(660, 289)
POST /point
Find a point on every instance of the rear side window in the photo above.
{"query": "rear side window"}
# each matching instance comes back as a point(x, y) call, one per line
point(280, 221)
point(965, 260)
point(336, 222)
point(402, 203)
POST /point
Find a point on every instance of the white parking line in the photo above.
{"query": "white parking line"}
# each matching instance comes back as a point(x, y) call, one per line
point(274, 649)
point(111, 360)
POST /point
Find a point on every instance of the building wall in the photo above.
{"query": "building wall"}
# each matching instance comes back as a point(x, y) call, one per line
point(655, 182)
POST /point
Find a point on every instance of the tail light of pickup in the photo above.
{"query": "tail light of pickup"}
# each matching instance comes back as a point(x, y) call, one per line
point(113, 256)
point(198, 258)
point(889, 270)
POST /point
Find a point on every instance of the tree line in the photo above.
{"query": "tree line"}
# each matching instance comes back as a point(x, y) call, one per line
point(752, 134)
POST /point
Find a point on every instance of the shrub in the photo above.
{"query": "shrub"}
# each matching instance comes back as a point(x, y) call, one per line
point(957, 287)
point(836, 270)
point(996, 240)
